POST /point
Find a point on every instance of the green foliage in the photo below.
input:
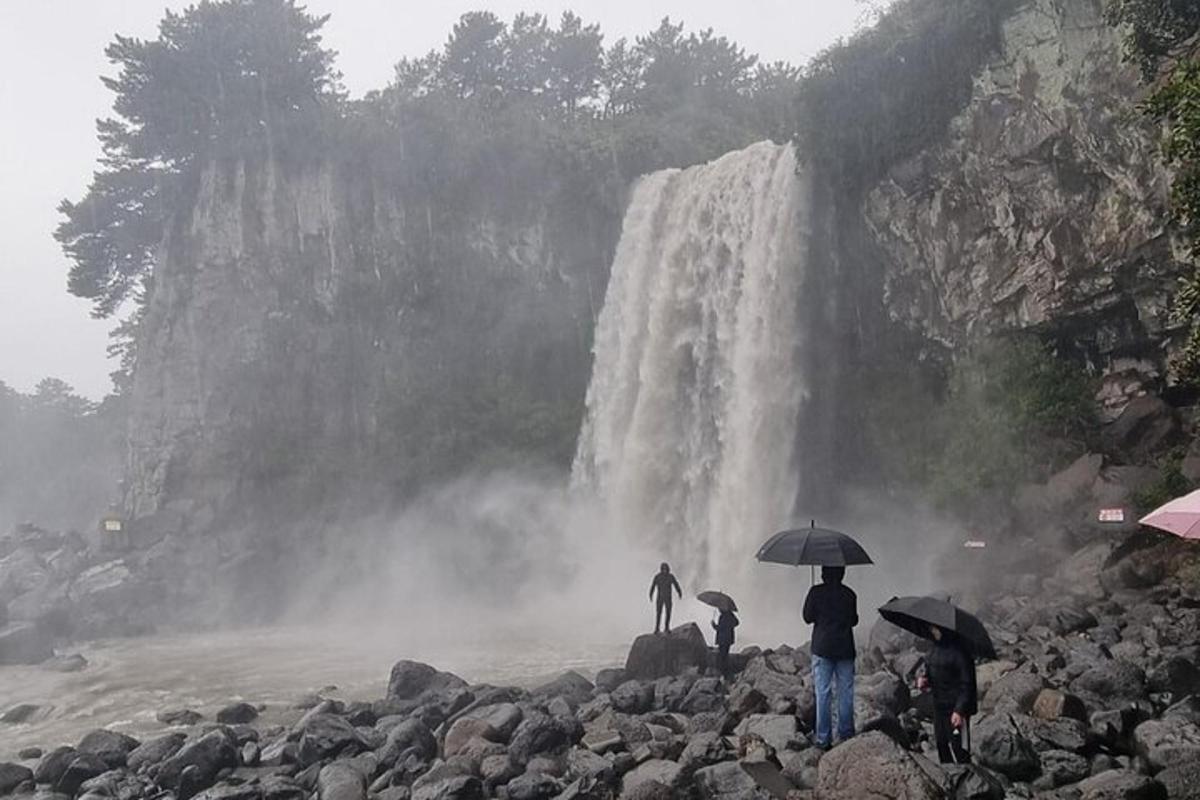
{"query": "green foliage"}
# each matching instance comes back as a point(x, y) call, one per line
point(223, 78)
point(1158, 33)
point(881, 97)
point(60, 464)
point(1170, 484)
point(1010, 410)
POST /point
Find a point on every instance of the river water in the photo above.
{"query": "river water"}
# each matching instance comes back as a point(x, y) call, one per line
point(128, 681)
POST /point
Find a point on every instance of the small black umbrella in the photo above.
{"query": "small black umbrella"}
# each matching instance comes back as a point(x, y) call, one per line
point(718, 600)
point(815, 546)
point(916, 614)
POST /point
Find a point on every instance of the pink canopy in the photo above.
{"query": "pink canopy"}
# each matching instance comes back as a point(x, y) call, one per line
point(1181, 516)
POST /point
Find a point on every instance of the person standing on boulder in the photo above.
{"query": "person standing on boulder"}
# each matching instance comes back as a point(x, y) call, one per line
point(832, 610)
point(662, 584)
point(950, 673)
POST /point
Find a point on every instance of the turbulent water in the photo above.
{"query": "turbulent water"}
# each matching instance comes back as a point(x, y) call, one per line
point(695, 393)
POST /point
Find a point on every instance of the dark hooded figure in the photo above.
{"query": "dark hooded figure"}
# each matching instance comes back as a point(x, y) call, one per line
point(724, 626)
point(832, 609)
point(950, 674)
point(662, 584)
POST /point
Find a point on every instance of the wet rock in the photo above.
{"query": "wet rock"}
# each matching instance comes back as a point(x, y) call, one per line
point(12, 776)
point(340, 781)
point(324, 736)
point(703, 750)
point(181, 716)
point(237, 714)
point(570, 685)
point(70, 663)
point(540, 733)
point(410, 679)
point(777, 730)
point(971, 782)
point(872, 765)
point(458, 787)
point(610, 678)
point(498, 770)
point(464, 730)
point(83, 767)
point(24, 643)
point(154, 751)
point(705, 695)
point(1167, 743)
point(29, 753)
point(657, 655)
point(1121, 785)
point(1063, 733)
point(1060, 768)
point(413, 733)
point(19, 713)
point(53, 764)
point(725, 781)
point(633, 697)
point(660, 771)
point(884, 691)
point(1110, 684)
point(202, 758)
point(1013, 692)
point(1051, 704)
point(1182, 782)
point(112, 747)
point(1000, 745)
point(583, 763)
point(1177, 675)
point(534, 786)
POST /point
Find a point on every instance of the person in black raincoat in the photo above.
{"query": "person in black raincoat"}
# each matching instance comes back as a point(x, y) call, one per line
point(950, 674)
point(724, 625)
point(662, 585)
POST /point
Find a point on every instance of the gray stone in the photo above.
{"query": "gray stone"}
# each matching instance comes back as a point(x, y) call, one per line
point(777, 730)
point(154, 751)
point(1000, 745)
point(410, 679)
point(12, 776)
point(111, 746)
point(658, 655)
point(1121, 785)
point(726, 781)
point(340, 781)
point(1167, 743)
point(666, 773)
point(237, 714)
point(872, 765)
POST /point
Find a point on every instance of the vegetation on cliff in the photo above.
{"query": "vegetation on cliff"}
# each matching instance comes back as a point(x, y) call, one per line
point(1161, 40)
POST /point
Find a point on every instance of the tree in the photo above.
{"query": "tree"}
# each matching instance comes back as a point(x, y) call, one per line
point(473, 60)
point(1161, 39)
point(576, 60)
point(224, 78)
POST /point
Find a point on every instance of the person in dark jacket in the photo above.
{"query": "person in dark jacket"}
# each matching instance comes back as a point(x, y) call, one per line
point(950, 674)
point(832, 609)
point(724, 625)
point(662, 585)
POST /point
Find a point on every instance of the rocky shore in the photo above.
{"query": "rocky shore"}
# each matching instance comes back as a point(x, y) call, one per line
point(1096, 696)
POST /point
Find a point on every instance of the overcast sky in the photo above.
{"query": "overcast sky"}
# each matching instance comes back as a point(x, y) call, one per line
point(51, 57)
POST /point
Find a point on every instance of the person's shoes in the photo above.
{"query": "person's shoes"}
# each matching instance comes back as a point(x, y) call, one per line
point(824, 747)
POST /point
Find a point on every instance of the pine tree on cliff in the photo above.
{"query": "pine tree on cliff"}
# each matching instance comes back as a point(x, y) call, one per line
point(226, 78)
point(1161, 37)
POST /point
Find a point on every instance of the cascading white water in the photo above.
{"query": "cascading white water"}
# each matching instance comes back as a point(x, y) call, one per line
point(695, 392)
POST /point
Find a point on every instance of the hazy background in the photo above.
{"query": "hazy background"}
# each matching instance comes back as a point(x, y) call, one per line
point(51, 57)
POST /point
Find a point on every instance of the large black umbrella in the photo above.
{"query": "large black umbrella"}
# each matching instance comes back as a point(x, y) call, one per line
point(916, 614)
point(816, 546)
point(718, 600)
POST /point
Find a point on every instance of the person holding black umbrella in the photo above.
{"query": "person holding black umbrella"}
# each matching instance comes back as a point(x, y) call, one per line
point(832, 609)
point(950, 675)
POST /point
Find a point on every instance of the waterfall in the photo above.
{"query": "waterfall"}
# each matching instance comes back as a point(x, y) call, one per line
point(695, 395)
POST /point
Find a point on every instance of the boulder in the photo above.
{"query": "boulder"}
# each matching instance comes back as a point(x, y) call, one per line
point(464, 730)
point(659, 655)
point(1167, 743)
point(1110, 684)
point(19, 713)
point(340, 781)
point(1177, 675)
point(583, 763)
point(181, 716)
point(24, 643)
point(83, 767)
point(570, 685)
point(726, 781)
point(660, 771)
point(1120, 785)
point(633, 697)
point(777, 730)
point(502, 717)
point(1000, 745)
point(1013, 692)
point(872, 765)
point(111, 747)
point(610, 678)
point(52, 765)
point(203, 758)
point(1060, 767)
point(456, 787)
point(237, 714)
point(540, 733)
point(411, 734)
point(533, 786)
point(972, 782)
point(1051, 704)
point(13, 775)
point(231, 791)
point(703, 750)
point(324, 736)
point(411, 679)
point(1147, 426)
point(1181, 781)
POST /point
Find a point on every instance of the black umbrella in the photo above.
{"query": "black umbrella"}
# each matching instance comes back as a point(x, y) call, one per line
point(916, 614)
point(718, 600)
point(816, 546)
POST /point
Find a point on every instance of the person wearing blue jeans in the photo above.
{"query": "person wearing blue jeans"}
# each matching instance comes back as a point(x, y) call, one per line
point(832, 609)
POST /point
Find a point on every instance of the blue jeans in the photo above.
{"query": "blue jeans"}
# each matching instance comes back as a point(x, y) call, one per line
point(825, 670)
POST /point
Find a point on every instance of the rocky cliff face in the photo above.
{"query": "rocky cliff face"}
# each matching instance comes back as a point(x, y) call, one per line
point(309, 324)
point(1043, 207)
